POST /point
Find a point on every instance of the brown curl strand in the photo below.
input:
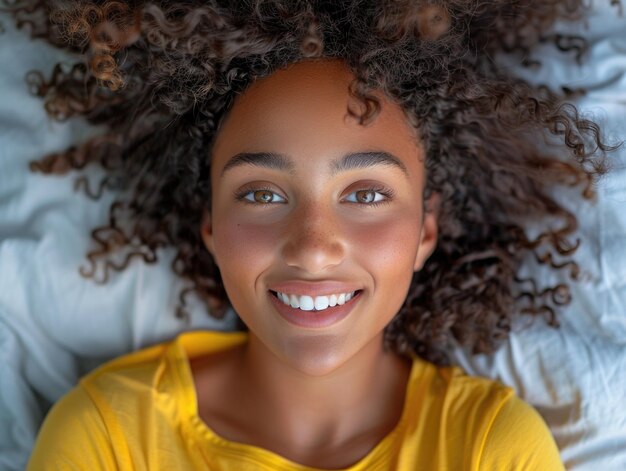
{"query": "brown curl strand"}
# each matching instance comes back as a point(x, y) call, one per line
point(161, 76)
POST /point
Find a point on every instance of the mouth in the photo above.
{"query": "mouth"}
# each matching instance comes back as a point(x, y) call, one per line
point(314, 318)
point(324, 305)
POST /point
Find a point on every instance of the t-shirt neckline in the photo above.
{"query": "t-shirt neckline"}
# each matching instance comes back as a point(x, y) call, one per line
point(255, 454)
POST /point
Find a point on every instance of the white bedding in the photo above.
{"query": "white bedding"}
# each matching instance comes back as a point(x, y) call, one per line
point(55, 326)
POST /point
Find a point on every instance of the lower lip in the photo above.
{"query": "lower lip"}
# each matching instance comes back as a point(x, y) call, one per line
point(314, 319)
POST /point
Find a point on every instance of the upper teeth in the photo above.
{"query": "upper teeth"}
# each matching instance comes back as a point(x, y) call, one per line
point(319, 303)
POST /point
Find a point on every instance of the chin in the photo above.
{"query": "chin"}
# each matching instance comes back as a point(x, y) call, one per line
point(314, 357)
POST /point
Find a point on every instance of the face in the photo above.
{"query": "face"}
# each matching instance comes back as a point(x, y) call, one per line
point(307, 201)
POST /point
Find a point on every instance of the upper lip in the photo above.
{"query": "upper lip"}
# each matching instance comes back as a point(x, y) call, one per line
point(307, 288)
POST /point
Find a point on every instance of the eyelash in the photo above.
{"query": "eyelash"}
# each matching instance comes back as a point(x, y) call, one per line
point(386, 192)
point(241, 195)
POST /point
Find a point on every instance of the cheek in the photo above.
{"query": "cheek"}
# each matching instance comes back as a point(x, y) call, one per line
point(243, 245)
point(388, 251)
point(387, 246)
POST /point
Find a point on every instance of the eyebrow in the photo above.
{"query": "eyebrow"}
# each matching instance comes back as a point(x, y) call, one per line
point(260, 159)
point(365, 160)
point(282, 162)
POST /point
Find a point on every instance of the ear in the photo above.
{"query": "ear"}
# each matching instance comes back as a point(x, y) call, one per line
point(206, 232)
point(428, 238)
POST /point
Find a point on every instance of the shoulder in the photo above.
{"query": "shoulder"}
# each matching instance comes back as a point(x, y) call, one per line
point(95, 425)
point(164, 368)
point(519, 438)
point(504, 431)
point(73, 434)
point(131, 362)
point(120, 390)
point(464, 397)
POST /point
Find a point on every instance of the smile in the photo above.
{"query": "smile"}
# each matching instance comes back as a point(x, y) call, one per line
point(317, 303)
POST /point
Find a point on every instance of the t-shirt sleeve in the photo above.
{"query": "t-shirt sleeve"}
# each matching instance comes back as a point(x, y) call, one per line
point(73, 437)
point(519, 439)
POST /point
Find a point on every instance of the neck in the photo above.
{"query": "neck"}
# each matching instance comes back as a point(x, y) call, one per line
point(362, 397)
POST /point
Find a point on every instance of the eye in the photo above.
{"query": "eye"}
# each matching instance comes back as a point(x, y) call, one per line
point(371, 196)
point(261, 196)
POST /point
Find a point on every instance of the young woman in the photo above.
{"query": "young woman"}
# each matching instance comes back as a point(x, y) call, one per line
point(354, 179)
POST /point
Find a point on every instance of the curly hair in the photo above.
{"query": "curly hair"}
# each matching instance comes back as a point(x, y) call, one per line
point(161, 77)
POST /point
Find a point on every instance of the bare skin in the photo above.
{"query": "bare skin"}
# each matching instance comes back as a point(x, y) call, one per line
point(321, 397)
point(276, 419)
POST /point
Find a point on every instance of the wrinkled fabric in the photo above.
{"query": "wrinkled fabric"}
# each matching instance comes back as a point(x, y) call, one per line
point(574, 376)
point(140, 413)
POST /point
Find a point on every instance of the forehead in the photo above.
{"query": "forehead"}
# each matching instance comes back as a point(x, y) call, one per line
point(302, 111)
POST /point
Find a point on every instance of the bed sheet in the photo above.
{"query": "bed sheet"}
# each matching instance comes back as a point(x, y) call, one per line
point(55, 326)
point(576, 376)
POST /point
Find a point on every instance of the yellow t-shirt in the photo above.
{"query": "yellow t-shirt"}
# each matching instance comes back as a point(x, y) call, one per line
point(139, 412)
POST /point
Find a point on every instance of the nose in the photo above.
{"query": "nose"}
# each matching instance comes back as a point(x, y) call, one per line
point(313, 239)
